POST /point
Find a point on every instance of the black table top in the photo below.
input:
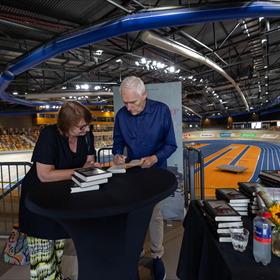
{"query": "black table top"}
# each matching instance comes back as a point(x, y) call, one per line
point(206, 258)
point(123, 193)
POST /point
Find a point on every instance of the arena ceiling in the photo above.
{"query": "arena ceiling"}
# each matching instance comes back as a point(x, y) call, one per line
point(227, 65)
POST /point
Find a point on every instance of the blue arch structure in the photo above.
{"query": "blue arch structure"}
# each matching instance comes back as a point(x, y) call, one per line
point(127, 24)
point(269, 158)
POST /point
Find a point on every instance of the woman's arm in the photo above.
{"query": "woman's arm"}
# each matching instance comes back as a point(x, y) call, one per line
point(91, 161)
point(48, 173)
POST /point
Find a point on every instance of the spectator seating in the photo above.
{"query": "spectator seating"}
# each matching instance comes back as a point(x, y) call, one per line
point(13, 143)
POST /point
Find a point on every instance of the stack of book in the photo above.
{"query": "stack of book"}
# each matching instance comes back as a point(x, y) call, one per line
point(220, 216)
point(89, 179)
point(237, 200)
point(271, 178)
point(248, 189)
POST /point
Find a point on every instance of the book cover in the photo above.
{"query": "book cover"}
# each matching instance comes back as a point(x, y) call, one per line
point(232, 195)
point(222, 211)
point(83, 183)
point(121, 168)
point(75, 188)
point(92, 173)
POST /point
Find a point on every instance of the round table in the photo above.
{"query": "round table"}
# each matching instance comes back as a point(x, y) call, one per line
point(108, 226)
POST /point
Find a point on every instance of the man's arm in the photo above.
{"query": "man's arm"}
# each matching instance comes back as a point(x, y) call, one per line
point(170, 144)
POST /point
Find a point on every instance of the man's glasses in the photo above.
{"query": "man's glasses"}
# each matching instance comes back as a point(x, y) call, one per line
point(83, 127)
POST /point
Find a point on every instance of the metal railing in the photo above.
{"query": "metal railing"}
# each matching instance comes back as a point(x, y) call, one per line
point(11, 176)
point(105, 156)
point(193, 174)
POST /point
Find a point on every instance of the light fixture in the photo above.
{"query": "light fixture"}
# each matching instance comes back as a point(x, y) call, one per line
point(143, 60)
point(137, 63)
point(99, 52)
point(78, 87)
point(119, 60)
point(15, 93)
point(264, 40)
point(63, 87)
point(154, 63)
point(47, 106)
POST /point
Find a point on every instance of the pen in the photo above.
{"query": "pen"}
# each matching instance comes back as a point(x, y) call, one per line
point(119, 154)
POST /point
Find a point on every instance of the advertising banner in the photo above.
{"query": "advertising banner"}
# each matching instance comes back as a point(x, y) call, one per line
point(271, 136)
point(248, 134)
point(207, 135)
point(171, 95)
point(225, 134)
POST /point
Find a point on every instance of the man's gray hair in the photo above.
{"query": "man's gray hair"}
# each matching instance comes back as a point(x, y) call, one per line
point(134, 83)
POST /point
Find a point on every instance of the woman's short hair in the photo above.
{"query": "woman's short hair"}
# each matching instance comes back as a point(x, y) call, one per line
point(134, 83)
point(71, 113)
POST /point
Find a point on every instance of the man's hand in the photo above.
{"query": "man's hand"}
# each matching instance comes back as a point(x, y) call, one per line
point(118, 159)
point(148, 161)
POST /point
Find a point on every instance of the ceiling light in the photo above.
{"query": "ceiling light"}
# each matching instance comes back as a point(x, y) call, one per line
point(62, 97)
point(266, 101)
point(264, 40)
point(119, 60)
point(77, 87)
point(25, 93)
point(154, 63)
point(137, 63)
point(86, 96)
point(143, 60)
point(172, 69)
point(15, 93)
point(190, 77)
point(261, 18)
point(70, 97)
point(97, 87)
point(226, 107)
point(99, 52)
point(266, 92)
point(47, 106)
point(63, 87)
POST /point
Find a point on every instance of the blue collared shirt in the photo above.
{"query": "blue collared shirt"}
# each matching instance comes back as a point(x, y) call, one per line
point(149, 133)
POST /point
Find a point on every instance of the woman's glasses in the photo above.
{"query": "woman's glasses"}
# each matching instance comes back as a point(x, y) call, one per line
point(83, 127)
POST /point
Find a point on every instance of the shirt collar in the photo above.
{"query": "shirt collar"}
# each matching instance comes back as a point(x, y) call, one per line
point(147, 109)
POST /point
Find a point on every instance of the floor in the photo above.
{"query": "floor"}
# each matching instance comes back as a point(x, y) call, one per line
point(172, 244)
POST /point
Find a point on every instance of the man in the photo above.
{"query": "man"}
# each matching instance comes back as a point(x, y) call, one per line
point(145, 127)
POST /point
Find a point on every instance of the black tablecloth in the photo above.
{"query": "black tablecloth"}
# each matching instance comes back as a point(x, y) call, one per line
point(123, 193)
point(108, 226)
point(203, 257)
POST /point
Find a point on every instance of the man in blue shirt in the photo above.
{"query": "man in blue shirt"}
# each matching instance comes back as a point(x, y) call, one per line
point(145, 127)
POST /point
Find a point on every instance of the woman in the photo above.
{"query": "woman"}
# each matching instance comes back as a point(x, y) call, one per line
point(60, 149)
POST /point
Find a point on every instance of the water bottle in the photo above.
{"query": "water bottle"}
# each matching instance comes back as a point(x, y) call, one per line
point(262, 238)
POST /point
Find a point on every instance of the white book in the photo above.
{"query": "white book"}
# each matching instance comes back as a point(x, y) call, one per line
point(75, 188)
point(230, 224)
point(121, 168)
point(83, 183)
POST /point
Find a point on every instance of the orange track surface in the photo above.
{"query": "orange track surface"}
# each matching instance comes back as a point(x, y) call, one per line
point(224, 179)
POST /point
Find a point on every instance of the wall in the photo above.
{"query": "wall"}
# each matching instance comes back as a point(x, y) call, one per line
point(19, 121)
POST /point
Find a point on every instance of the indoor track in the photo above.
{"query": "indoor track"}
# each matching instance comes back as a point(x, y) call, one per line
point(254, 155)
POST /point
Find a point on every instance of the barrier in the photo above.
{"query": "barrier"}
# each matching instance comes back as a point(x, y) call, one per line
point(193, 174)
point(11, 176)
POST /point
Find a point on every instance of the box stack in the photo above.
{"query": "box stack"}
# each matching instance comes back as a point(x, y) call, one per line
point(271, 178)
point(237, 200)
point(88, 179)
point(248, 189)
point(220, 216)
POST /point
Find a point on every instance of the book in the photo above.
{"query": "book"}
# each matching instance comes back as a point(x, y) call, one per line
point(243, 208)
point(222, 237)
point(231, 195)
point(121, 168)
point(75, 188)
point(252, 206)
point(221, 211)
point(92, 174)
point(269, 181)
point(273, 174)
point(229, 224)
point(248, 188)
point(83, 183)
point(244, 204)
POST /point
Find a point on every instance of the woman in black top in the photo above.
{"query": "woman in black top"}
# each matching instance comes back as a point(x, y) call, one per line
point(60, 149)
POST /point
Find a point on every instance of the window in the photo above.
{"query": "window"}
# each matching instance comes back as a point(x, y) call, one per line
point(41, 115)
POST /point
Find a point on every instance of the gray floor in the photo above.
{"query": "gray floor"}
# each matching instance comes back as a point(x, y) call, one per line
point(172, 244)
